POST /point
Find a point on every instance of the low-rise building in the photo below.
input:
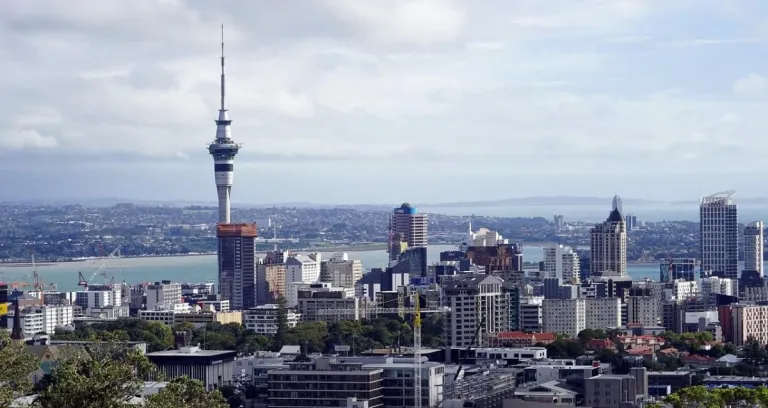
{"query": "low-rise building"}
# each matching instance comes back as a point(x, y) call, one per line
point(215, 368)
point(325, 382)
point(263, 319)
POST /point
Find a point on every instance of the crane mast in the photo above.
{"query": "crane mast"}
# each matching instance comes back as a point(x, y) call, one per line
point(416, 351)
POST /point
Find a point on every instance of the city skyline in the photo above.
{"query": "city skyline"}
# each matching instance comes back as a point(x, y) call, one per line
point(339, 96)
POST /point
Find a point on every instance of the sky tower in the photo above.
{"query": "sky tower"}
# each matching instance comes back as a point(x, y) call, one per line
point(223, 150)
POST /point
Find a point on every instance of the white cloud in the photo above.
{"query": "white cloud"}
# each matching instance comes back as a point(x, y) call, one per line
point(563, 87)
point(25, 139)
point(752, 85)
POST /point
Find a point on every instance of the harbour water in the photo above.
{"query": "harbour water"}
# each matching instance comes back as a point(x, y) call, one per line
point(203, 268)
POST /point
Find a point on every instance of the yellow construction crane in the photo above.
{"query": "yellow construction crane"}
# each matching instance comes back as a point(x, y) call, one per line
point(401, 310)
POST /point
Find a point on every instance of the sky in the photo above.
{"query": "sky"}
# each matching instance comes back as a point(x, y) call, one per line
point(344, 101)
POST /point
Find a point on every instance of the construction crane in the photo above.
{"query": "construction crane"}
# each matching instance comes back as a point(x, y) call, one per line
point(416, 310)
point(101, 269)
point(469, 348)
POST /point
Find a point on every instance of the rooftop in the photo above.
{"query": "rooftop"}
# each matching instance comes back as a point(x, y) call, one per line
point(190, 352)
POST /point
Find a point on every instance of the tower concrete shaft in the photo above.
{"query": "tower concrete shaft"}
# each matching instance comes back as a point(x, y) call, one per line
point(223, 150)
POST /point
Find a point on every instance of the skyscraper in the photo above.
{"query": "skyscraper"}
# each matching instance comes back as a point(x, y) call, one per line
point(719, 235)
point(608, 243)
point(753, 247)
point(223, 150)
point(237, 265)
point(407, 229)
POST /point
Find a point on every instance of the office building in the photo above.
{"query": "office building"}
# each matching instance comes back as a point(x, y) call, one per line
point(559, 223)
point(631, 221)
point(165, 292)
point(608, 244)
point(673, 269)
point(561, 262)
point(340, 271)
point(237, 264)
point(616, 390)
point(325, 382)
point(407, 229)
point(645, 310)
point(753, 247)
point(474, 299)
point(270, 282)
point(719, 235)
point(214, 368)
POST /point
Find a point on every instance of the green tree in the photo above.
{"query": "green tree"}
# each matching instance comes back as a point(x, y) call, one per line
point(282, 323)
point(99, 379)
point(184, 392)
point(17, 365)
point(701, 397)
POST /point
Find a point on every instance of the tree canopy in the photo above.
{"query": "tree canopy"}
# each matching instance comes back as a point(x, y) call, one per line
point(107, 375)
point(701, 397)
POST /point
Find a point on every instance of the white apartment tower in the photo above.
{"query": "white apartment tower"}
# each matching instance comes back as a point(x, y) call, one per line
point(753, 247)
point(608, 244)
point(303, 268)
point(474, 299)
point(719, 235)
point(561, 262)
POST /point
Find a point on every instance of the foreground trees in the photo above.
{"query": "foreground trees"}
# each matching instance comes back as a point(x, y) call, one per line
point(103, 376)
point(701, 397)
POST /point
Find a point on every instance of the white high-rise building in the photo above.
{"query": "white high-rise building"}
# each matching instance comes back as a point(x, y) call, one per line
point(561, 262)
point(719, 235)
point(43, 319)
point(303, 268)
point(753, 247)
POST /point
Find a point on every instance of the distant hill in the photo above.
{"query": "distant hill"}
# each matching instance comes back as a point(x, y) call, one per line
point(520, 201)
point(542, 201)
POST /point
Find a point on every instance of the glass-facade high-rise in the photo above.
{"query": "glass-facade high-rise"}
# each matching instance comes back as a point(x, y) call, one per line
point(719, 236)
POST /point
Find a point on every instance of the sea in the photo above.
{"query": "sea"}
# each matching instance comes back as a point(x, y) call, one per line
point(203, 268)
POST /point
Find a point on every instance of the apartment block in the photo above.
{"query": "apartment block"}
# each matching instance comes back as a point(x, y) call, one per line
point(571, 316)
point(474, 299)
point(749, 321)
point(561, 262)
point(303, 268)
point(45, 319)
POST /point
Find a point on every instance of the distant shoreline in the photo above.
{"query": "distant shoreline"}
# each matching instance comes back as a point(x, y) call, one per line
point(349, 248)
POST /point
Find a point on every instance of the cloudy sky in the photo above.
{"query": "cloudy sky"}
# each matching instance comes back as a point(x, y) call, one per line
point(349, 101)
